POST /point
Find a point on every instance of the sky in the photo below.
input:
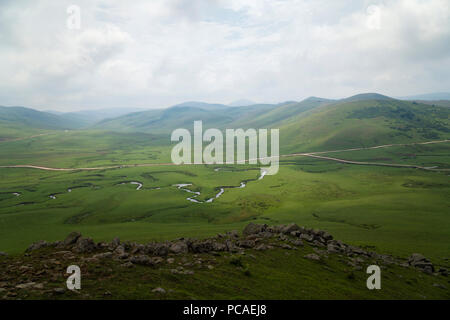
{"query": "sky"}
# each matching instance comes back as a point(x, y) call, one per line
point(153, 54)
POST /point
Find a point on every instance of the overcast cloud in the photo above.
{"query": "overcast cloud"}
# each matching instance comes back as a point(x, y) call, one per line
point(161, 52)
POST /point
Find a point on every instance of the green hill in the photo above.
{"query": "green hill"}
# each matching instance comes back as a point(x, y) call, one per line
point(355, 122)
point(16, 122)
point(312, 124)
point(183, 116)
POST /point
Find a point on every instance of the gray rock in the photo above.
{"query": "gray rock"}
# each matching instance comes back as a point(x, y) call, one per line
point(253, 228)
point(312, 256)
point(37, 245)
point(159, 290)
point(296, 233)
point(233, 234)
point(245, 243)
point(59, 290)
point(438, 285)
point(327, 236)
point(306, 237)
point(84, 245)
point(415, 258)
point(179, 247)
point(297, 242)
point(290, 228)
point(161, 249)
point(261, 247)
point(142, 259)
point(114, 243)
point(333, 248)
point(217, 246)
point(127, 265)
point(104, 255)
point(26, 285)
point(71, 238)
point(419, 261)
point(3, 254)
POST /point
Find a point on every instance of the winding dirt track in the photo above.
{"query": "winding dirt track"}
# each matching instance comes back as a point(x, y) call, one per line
point(309, 154)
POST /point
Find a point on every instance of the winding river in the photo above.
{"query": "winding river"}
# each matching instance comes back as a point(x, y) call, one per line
point(243, 184)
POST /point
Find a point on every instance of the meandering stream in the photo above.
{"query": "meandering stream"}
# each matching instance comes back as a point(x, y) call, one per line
point(180, 186)
point(243, 184)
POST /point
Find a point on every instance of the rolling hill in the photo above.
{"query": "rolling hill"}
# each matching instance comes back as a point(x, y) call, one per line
point(17, 122)
point(365, 120)
point(312, 124)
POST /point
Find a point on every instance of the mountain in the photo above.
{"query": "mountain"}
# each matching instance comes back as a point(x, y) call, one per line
point(183, 116)
point(27, 117)
point(90, 117)
point(441, 103)
point(367, 96)
point(202, 105)
point(241, 103)
point(364, 120)
point(312, 124)
point(429, 96)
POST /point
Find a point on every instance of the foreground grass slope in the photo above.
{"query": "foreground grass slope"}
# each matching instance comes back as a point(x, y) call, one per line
point(256, 266)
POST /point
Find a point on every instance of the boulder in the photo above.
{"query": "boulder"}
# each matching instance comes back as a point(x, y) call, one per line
point(261, 247)
point(142, 259)
point(306, 237)
point(104, 255)
point(312, 256)
point(3, 254)
point(253, 228)
point(159, 290)
point(245, 243)
point(84, 245)
point(37, 245)
point(179, 247)
point(217, 246)
point(71, 239)
point(419, 261)
point(161, 249)
point(290, 228)
point(114, 244)
point(297, 242)
point(327, 236)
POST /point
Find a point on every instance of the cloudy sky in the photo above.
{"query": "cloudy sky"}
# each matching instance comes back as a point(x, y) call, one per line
point(162, 52)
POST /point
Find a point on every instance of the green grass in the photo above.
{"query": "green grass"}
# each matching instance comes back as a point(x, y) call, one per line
point(397, 211)
point(271, 274)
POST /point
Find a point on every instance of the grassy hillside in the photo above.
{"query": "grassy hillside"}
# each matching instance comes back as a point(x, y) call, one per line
point(183, 116)
point(16, 122)
point(313, 124)
point(258, 266)
point(359, 122)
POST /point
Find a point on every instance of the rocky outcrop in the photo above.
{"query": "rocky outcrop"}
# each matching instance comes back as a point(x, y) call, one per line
point(253, 228)
point(419, 261)
point(71, 239)
point(37, 245)
point(259, 237)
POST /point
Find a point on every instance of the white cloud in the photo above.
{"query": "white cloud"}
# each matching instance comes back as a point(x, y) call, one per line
point(157, 53)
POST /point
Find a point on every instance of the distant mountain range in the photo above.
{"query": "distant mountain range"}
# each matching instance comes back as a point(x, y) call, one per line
point(429, 96)
point(314, 123)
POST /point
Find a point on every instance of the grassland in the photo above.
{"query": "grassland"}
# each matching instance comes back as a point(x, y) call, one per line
point(272, 274)
point(394, 210)
point(390, 210)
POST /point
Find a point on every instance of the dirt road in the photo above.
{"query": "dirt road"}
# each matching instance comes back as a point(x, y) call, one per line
point(309, 154)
